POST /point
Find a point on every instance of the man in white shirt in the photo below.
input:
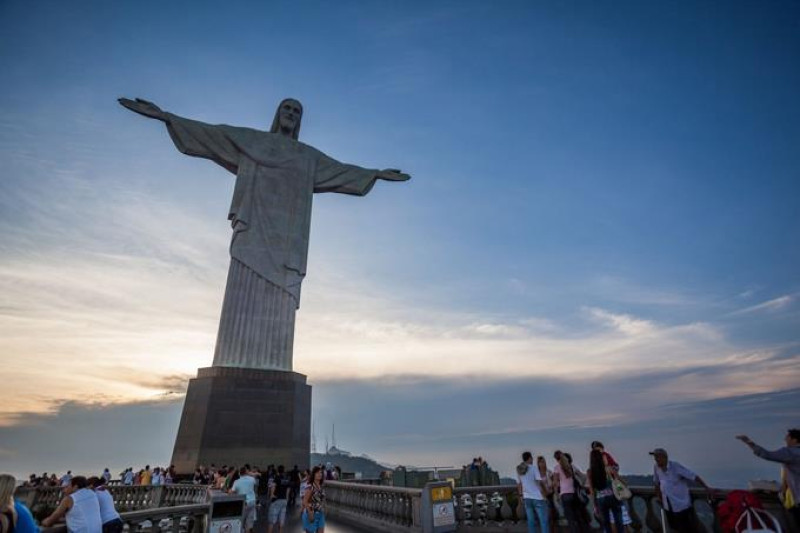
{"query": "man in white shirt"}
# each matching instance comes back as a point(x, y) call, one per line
point(672, 488)
point(112, 523)
point(246, 486)
point(79, 506)
point(531, 489)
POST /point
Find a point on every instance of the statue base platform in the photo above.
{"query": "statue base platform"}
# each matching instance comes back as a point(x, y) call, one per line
point(233, 416)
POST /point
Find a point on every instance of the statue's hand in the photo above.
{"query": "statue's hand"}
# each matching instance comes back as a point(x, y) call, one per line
point(143, 107)
point(393, 174)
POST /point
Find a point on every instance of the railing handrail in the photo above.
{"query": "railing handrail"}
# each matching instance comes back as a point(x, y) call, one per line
point(487, 488)
point(164, 512)
point(374, 488)
point(153, 515)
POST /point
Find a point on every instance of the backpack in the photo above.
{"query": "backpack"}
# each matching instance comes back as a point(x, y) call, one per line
point(735, 507)
point(757, 521)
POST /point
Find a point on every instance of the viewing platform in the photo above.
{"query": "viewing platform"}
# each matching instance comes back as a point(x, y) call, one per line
point(367, 506)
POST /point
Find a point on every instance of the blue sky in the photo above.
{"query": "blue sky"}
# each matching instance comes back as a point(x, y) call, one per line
point(603, 205)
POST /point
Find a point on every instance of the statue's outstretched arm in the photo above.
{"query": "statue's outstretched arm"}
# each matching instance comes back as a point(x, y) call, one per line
point(392, 174)
point(143, 107)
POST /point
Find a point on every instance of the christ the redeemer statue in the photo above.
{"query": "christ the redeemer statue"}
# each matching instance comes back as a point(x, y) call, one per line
point(276, 177)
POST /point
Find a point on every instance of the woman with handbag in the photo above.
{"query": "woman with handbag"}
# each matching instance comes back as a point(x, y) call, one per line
point(314, 503)
point(602, 492)
point(621, 490)
point(568, 489)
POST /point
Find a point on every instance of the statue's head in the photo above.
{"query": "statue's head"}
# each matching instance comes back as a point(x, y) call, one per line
point(287, 118)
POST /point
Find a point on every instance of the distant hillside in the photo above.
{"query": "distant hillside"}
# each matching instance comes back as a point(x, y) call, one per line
point(351, 465)
point(638, 480)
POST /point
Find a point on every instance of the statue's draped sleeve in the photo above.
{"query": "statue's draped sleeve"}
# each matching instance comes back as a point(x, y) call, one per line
point(214, 142)
point(333, 176)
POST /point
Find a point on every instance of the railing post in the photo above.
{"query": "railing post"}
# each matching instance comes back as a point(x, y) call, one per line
point(416, 510)
point(157, 498)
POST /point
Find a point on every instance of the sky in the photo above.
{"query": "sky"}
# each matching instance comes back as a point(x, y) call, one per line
point(600, 239)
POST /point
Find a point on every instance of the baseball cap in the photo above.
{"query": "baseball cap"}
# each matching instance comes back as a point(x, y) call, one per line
point(659, 451)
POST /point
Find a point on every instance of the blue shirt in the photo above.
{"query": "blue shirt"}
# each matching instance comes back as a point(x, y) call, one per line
point(674, 483)
point(25, 523)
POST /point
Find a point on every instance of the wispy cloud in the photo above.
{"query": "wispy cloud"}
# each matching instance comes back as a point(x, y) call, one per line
point(626, 324)
point(775, 304)
point(132, 316)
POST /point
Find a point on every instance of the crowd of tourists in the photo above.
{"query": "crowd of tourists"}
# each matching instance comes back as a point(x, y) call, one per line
point(275, 491)
point(88, 507)
point(143, 476)
point(566, 490)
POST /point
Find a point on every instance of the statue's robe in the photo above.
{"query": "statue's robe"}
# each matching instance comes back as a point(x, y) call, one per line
point(271, 218)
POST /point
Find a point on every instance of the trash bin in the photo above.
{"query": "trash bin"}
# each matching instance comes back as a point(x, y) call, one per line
point(226, 513)
point(437, 509)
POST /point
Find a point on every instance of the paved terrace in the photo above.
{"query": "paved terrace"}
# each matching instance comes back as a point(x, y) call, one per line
point(294, 525)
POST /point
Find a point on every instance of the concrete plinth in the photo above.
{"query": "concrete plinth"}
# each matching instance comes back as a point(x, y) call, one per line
point(234, 416)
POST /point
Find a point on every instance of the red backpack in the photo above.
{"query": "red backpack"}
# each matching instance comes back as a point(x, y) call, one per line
point(737, 502)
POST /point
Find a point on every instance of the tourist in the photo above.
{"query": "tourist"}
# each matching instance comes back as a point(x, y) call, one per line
point(245, 485)
point(112, 523)
point(81, 507)
point(608, 459)
point(532, 490)
point(13, 515)
point(65, 479)
point(106, 475)
point(602, 493)
point(305, 479)
point(294, 477)
point(581, 491)
point(672, 489)
point(146, 478)
point(547, 478)
point(128, 477)
point(263, 489)
point(567, 488)
point(789, 456)
point(279, 489)
point(313, 514)
point(612, 467)
point(232, 477)
point(156, 478)
point(220, 478)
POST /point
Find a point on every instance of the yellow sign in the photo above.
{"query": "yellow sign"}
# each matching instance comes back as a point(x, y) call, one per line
point(439, 494)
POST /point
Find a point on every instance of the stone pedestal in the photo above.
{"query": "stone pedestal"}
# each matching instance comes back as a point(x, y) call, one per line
point(234, 416)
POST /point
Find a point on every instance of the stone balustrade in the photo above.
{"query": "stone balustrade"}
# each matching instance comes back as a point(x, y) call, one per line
point(377, 507)
point(498, 508)
point(142, 507)
point(184, 508)
point(178, 519)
